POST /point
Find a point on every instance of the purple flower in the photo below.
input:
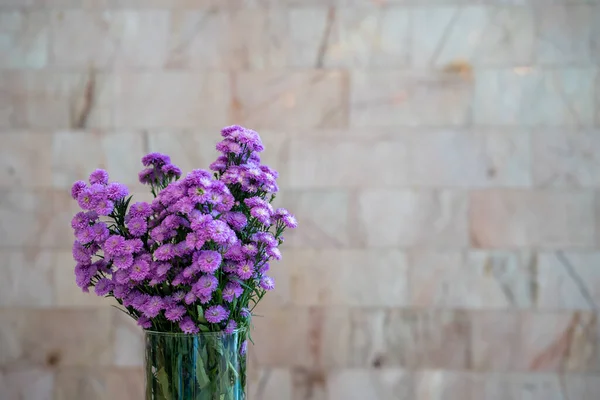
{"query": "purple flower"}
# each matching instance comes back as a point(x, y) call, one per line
point(104, 206)
point(220, 232)
point(245, 313)
point(274, 252)
point(146, 176)
point(236, 220)
point(267, 283)
point(231, 326)
point(219, 165)
point(137, 226)
point(103, 287)
point(121, 277)
point(200, 221)
point(235, 253)
point(182, 249)
point(140, 209)
point(175, 313)
point(265, 237)
point(77, 188)
point(164, 252)
point(120, 291)
point(244, 348)
point(85, 235)
point(198, 194)
point(161, 269)
point(86, 199)
point(189, 298)
point(216, 314)
point(207, 260)
point(290, 221)
point(256, 202)
point(99, 176)
point(205, 285)
point(232, 290)
point(116, 191)
point(101, 232)
point(245, 269)
point(262, 214)
point(83, 276)
point(229, 266)
point(114, 246)
point(155, 159)
point(187, 325)
point(153, 306)
point(250, 249)
point(232, 131)
point(123, 261)
point(138, 300)
point(194, 240)
point(140, 269)
point(80, 220)
point(185, 205)
point(144, 322)
point(171, 170)
point(81, 254)
point(132, 246)
point(263, 268)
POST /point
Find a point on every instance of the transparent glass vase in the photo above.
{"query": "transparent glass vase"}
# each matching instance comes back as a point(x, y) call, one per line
point(206, 366)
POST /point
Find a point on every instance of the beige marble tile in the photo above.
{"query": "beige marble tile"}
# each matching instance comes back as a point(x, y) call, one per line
point(56, 100)
point(520, 218)
point(477, 35)
point(530, 96)
point(80, 383)
point(125, 383)
point(109, 38)
point(325, 163)
point(27, 384)
point(413, 218)
point(349, 37)
point(23, 39)
point(269, 384)
point(443, 385)
point(389, 98)
point(128, 347)
point(409, 338)
point(480, 280)
point(366, 278)
point(451, 158)
point(75, 154)
point(171, 99)
point(25, 217)
point(280, 338)
point(519, 386)
point(323, 215)
point(66, 292)
point(495, 340)
point(568, 281)
point(565, 34)
point(25, 160)
point(291, 99)
point(55, 337)
point(384, 384)
point(559, 342)
point(584, 387)
point(26, 278)
point(566, 159)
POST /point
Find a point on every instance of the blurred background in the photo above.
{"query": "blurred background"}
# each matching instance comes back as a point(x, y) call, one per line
point(442, 157)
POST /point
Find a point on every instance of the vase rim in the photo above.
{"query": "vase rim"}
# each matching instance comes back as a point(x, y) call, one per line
point(181, 334)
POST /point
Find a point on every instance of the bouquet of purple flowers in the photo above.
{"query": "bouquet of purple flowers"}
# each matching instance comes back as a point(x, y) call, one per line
point(196, 258)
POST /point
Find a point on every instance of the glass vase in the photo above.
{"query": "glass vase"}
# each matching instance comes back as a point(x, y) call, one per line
point(206, 366)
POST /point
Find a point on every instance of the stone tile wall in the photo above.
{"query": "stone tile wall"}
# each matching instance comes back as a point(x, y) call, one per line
point(442, 157)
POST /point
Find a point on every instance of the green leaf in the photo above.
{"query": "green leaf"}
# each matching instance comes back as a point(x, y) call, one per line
point(203, 328)
point(201, 314)
point(163, 380)
point(201, 376)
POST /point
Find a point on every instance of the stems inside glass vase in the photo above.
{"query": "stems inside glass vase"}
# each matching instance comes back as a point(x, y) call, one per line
point(205, 366)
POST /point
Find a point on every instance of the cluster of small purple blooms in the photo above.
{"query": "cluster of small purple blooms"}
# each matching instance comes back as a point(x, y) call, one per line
point(196, 257)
